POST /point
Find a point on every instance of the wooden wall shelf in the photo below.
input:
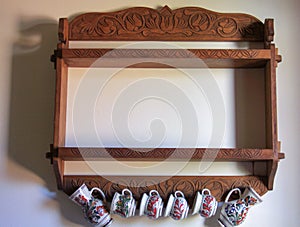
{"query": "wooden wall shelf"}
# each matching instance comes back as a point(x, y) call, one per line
point(184, 24)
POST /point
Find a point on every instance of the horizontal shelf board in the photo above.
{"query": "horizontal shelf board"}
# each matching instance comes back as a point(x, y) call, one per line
point(136, 154)
point(166, 58)
point(151, 168)
point(168, 63)
point(189, 185)
point(89, 44)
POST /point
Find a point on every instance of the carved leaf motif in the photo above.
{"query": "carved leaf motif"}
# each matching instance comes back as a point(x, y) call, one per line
point(151, 21)
point(184, 186)
point(85, 26)
point(165, 24)
point(219, 186)
point(106, 26)
point(227, 27)
point(133, 22)
point(199, 22)
point(181, 23)
point(249, 154)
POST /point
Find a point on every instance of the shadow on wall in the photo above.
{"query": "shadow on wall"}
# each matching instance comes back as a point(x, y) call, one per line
point(32, 106)
point(32, 109)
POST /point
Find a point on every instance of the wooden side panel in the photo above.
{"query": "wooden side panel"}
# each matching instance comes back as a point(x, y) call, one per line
point(60, 103)
point(184, 24)
point(271, 115)
point(63, 34)
point(219, 186)
point(269, 32)
point(58, 166)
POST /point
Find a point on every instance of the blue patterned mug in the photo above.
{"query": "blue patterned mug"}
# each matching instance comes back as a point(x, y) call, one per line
point(234, 213)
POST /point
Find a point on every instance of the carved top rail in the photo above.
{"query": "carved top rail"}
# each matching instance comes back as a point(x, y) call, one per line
point(183, 24)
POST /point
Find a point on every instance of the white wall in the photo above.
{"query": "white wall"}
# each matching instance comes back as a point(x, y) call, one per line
point(28, 37)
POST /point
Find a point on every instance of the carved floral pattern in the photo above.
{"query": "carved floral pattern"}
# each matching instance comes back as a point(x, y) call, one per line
point(165, 24)
point(163, 153)
point(189, 185)
point(161, 53)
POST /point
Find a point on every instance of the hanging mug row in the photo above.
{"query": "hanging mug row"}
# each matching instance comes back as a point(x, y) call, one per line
point(95, 210)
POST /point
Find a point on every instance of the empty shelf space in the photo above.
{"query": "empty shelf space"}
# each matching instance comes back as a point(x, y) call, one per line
point(153, 168)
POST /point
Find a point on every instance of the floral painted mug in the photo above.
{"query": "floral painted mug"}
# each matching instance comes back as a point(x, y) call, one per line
point(151, 205)
point(177, 207)
point(205, 204)
point(234, 213)
point(123, 204)
point(94, 209)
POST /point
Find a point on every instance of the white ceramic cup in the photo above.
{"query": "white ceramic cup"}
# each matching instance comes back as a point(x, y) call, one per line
point(123, 204)
point(94, 209)
point(177, 207)
point(205, 204)
point(151, 205)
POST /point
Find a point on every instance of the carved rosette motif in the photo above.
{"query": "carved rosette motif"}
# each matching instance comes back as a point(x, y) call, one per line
point(141, 23)
point(219, 186)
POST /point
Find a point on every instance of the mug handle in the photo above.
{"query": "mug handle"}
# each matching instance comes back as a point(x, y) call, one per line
point(101, 192)
point(127, 190)
point(179, 192)
point(229, 194)
point(205, 190)
point(153, 191)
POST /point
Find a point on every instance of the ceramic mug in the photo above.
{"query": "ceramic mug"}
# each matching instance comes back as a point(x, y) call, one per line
point(177, 207)
point(123, 204)
point(205, 204)
point(151, 205)
point(94, 209)
point(234, 213)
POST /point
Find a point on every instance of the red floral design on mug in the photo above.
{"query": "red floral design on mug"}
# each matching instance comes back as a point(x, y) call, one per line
point(80, 199)
point(152, 206)
point(207, 206)
point(180, 207)
point(93, 208)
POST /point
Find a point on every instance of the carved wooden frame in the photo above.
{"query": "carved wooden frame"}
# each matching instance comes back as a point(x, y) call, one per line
point(184, 24)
